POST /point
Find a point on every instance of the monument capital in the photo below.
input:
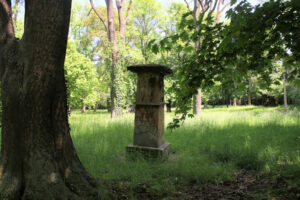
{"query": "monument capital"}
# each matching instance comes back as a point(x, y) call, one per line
point(150, 68)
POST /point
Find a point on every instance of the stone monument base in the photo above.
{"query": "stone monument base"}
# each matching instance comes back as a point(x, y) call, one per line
point(148, 152)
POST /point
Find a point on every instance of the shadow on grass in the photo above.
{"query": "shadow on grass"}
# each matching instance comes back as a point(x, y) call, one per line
point(202, 153)
point(267, 149)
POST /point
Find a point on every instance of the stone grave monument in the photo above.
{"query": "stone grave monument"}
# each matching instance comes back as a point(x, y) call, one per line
point(148, 137)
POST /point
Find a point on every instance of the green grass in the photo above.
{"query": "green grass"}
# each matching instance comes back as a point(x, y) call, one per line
point(209, 148)
point(206, 149)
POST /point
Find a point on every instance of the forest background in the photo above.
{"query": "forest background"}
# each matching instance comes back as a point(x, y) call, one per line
point(93, 83)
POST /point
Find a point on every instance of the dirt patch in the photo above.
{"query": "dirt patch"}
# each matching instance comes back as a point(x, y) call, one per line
point(246, 185)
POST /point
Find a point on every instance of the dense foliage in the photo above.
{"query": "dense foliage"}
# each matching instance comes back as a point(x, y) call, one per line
point(233, 53)
point(243, 58)
point(82, 80)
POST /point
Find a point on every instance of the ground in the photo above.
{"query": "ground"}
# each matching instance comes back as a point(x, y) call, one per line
point(246, 185)
point(244, 152)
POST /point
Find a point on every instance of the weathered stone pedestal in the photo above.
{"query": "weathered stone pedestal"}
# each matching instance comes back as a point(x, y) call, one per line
point(149, 115)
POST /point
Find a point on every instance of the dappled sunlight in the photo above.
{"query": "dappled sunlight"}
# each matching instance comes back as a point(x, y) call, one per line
point(67, 172)
point(52, 177)
point(225, 119)
point(207, 148)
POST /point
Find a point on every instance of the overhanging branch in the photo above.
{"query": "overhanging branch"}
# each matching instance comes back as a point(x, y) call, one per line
point(99, 16)
point(128, 10)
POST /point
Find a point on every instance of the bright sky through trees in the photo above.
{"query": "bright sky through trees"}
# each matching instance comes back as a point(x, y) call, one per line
point(164, 2)
point(102, 2)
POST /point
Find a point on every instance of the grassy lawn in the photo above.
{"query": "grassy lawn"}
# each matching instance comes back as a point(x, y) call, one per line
point(222, 146)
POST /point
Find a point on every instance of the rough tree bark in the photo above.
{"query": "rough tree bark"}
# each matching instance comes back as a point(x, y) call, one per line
point(38, 159)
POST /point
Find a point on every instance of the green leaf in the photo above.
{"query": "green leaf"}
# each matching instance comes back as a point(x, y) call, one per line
point(155, 48)
point(189, 49)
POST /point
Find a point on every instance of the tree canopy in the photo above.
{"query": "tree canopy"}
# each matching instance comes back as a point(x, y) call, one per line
point(248, 44)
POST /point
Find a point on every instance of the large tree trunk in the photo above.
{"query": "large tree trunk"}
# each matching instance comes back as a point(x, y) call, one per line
point(38, 159)
point(197, 103)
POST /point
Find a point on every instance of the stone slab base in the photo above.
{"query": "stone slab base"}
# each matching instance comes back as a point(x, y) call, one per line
point(132, 151)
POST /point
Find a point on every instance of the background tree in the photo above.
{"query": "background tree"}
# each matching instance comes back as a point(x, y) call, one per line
point(203, 9)
point(82, 80)
point(38, 159)
point(224, 46)
point(110, 28)
point(146, 19)
point(170, 56)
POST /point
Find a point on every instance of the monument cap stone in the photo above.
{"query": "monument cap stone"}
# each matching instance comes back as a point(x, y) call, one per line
point(155, 68)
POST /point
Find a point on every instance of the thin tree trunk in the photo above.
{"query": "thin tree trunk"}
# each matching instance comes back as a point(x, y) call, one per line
point(113, 41)
point(249, 98)
point(108, 105)
point(96, 107)
point(234, 102)
point(38, 159)
point(122, 17)
point(203, 8)
point(284, 91)
point(110, 28)
point(249, 93)
point(197, 103)
point(206, 105)
point(122, 20)
point(83, 108)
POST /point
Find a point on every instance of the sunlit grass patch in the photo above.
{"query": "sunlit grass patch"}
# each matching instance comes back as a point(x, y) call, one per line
point(208, 148)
